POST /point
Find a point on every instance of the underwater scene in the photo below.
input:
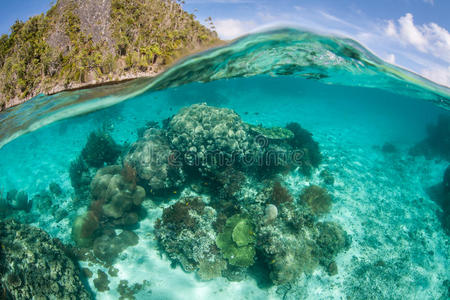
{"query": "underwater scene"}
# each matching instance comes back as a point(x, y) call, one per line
point(285, 165)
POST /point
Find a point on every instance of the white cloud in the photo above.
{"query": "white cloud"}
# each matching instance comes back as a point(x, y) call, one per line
point(429, 1)
point(438, 74)
point(439, 40)
point(391, 29)
point(409, 33)
point(429, 39)
point(232, 28)
point(390, 58)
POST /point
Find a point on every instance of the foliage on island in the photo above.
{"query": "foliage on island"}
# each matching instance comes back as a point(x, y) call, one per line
point(80, 42)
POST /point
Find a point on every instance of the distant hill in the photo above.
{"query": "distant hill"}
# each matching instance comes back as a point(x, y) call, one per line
point(83, 42)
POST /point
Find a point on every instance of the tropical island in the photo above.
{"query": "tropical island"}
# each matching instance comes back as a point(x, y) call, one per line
point(81, 43)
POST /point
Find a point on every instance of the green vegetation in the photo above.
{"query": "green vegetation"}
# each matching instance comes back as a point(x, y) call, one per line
point(59, 49)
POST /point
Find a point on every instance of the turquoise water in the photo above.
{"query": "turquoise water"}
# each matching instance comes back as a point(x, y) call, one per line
point(365, 115)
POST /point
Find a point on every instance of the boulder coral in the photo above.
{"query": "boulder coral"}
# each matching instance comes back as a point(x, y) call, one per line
point(155, 162)
point(116, 203)
point(120, 198)
point(210, 137)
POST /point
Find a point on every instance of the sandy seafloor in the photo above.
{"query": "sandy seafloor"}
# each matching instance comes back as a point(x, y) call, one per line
point(398, 250)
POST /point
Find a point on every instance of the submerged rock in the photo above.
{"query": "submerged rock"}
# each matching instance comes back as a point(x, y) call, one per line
point(35, 266)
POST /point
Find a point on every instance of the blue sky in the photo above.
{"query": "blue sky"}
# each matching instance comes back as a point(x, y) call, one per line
point(410, 33)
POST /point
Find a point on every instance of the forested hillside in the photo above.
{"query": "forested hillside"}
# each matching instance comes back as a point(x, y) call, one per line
point(82, 42)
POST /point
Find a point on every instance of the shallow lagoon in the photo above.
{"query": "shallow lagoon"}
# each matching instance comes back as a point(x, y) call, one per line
point(397, 247)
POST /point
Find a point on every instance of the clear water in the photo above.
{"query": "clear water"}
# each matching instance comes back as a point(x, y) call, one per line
point(352, 103)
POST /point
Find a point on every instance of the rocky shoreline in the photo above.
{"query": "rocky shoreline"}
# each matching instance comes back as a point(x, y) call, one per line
point(59, 88)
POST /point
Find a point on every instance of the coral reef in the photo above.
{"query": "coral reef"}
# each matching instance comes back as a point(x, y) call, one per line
point(280, 194)
point(330, 240)
point(101, 282)
point(295, 243)
point(440, 193)
point(317, 199)
point(273, 133)
point(19, 200)
point(270, 213)
point(84, 227)
point(35, 266)
point(116, 203)
point(120, 198)
point(210, 138)
point(108, 246)
point(155, 163)
point(186, 234)
point(304, 142)
point(4, 205)
point(100, 149)
point(437, 142)
point(237, 241)
point(80, 177)
point(224, 239)
point(55, 189)
point(225, 184)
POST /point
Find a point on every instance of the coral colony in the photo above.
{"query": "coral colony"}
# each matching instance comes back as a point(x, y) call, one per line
point(234, 219)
